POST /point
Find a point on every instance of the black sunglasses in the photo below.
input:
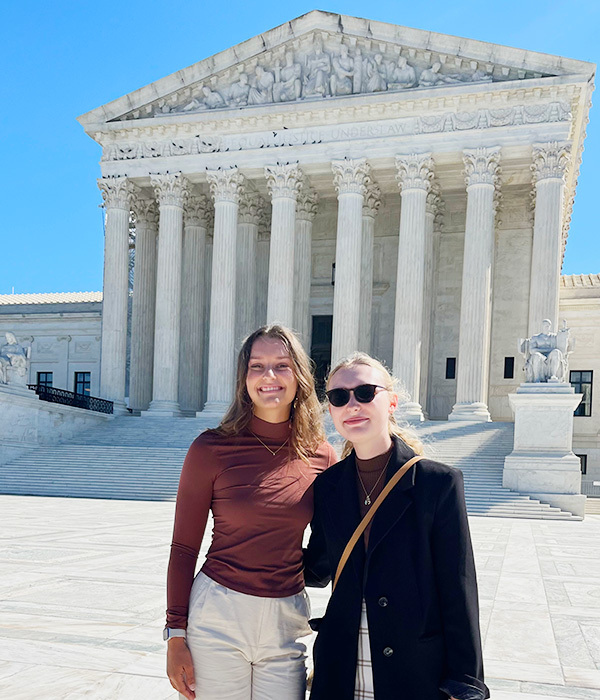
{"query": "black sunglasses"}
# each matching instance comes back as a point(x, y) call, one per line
point(364, 393)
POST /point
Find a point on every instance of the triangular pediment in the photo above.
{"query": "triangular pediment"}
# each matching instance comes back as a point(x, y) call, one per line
point(323, 55)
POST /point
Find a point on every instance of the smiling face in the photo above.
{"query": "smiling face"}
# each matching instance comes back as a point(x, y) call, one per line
point(271, 382)
point(365, 425)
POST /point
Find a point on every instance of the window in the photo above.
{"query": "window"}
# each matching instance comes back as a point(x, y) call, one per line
point(82, 383)
point(509, 368)
point(44, 378)
point(451, 368)
point(581, 381)
point(583, 459)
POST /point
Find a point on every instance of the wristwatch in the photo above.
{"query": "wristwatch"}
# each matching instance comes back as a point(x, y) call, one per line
point(169, 633)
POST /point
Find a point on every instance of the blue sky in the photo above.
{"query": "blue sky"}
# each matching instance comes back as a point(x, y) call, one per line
point(62, 59)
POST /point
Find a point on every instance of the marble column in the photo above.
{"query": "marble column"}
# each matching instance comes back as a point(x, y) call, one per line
point(251, 207)
point(171, 192)
point(284, 181)
point(191, 344)
point(306, 210)
point(262, 267)
point(144, 300)
point(414, 175)
point(350, 179)
point(371, 205)
point(207, 295)
point(226, 188)
point(482, 178)
point(432, 211)
point(117, 194)
point(550, 162)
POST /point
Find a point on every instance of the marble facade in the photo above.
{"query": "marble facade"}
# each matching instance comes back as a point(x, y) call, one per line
point(437, 173)
point(62, 330)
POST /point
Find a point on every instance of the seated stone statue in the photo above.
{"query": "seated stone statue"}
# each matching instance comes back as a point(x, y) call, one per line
point(546, 354)
point(261, 91)
point(14, 361)
point(374, 74)
point(238, 93)
point(318, 70)
point(342, 76)
point(288, 80)
point(401, 75)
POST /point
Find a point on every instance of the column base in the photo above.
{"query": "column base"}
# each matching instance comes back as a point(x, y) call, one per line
point(120, 408)
point(476, 412)
point(162, 409)
point(411, 412)
point(216, 409)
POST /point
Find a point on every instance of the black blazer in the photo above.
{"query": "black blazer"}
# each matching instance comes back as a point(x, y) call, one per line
point(418, 580)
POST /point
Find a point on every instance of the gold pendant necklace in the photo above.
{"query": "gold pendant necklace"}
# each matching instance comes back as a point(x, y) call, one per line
point(367, 500)
point(273, 452)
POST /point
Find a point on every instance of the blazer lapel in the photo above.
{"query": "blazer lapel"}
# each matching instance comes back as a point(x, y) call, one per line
point(342, 503)
point(399, 498)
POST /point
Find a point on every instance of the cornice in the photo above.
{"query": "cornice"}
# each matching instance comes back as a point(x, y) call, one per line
point(435, 123)
point(337, 111)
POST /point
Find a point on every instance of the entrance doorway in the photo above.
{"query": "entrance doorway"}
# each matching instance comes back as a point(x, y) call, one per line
point(320, 350)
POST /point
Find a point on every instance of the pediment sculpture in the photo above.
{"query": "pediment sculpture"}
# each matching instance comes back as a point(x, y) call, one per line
point(315, 72)
point(547, 354)
point(14, 362)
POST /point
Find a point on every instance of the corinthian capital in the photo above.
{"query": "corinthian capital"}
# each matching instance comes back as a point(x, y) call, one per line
point(117, 192)
point(225, 185)
point(414, 171)
point(196, 211)
point(145, 209)
point(550, 160)
point(171, 189)
point(372, 200)
point(351, 176)
point(284, 180)
point(307, 204)
point(434, 200)
point(264, 225)
point(435, 206)
point(252, 206)
point(482, 166)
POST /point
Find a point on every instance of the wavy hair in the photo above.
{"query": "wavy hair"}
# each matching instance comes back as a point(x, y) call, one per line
point(306, 414)
point(402, 431)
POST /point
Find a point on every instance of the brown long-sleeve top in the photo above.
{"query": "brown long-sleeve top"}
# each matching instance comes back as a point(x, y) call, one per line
point(373, 480)
point(261, 505)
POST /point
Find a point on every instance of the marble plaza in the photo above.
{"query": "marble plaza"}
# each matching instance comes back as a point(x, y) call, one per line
point(82, 602)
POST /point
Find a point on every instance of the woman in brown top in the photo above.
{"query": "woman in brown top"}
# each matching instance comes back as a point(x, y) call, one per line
point(232, 629)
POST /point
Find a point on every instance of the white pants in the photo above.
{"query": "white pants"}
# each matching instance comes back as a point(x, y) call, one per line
point(244, 647)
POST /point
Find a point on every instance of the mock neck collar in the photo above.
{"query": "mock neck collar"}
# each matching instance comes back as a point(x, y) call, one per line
point(270, 430)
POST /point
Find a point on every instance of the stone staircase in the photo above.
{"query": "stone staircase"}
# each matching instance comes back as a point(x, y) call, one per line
point(134, 458)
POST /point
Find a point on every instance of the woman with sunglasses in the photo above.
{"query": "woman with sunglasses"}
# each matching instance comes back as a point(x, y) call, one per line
point(232, 632)
point(402, 622)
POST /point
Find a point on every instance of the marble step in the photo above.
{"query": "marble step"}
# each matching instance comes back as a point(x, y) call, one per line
point(140, 459)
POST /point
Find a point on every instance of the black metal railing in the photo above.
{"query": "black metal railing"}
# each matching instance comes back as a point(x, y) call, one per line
point(70, 398)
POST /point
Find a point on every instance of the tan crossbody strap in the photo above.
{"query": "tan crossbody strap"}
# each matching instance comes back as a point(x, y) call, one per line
point(369, 516)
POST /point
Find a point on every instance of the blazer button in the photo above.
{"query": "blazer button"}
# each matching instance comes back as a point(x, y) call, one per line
point(388, 651)
point(383, 601)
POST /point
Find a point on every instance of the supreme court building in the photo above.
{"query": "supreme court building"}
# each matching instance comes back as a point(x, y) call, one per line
point(372, 186)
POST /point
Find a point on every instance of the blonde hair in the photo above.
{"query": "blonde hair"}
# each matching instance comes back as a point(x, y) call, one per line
point(306, 416)
point(404, 432)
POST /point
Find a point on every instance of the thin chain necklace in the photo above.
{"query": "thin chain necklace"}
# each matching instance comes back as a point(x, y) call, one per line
point(368, 494)
point(273, 452)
